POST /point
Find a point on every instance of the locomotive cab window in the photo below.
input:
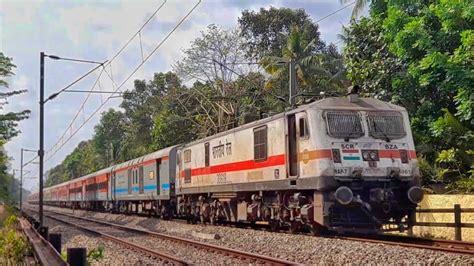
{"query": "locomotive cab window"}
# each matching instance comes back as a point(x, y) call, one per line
point(303, 127)
point(260, 143)
point(187, 156)
point(344, 124)
point(386, 125)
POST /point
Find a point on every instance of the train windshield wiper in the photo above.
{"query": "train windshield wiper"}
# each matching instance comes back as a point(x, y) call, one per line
point(387, 139)
point(350, 135)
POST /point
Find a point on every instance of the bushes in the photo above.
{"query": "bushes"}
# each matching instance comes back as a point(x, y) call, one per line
point(13, 245)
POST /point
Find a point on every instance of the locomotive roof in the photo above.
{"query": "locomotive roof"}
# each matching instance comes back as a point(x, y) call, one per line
point(343, 103)
point(330, 103)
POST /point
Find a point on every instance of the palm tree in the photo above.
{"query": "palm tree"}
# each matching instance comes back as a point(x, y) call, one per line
point(358, 7)
point(307, 65)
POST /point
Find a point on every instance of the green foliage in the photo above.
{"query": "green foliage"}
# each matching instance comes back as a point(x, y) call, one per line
point(266, 32)
point(13, 245)
point(8, 126)
point(8, 121)
point(109, 136)
point(420, 54)
point(315, 72)
point(95, 254)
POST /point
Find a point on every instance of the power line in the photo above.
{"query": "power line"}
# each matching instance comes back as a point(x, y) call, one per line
point(337, 11)
point(128, 77)
point(97, 81)
point(52, 96)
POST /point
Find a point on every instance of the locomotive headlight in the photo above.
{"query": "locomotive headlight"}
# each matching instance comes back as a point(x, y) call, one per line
point(344, 195)
point(415, 194)
point(366, 155)
point(374, 156)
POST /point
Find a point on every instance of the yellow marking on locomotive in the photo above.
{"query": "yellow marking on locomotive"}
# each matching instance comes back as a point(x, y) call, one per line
point(255, 175)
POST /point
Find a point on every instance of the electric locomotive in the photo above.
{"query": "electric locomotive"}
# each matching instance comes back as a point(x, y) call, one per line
point(345, 164)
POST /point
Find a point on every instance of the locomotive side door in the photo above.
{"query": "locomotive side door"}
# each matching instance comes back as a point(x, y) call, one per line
point(292, 146)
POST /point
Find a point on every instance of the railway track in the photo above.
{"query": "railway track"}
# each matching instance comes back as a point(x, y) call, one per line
point(118, 234)
point(459, 247)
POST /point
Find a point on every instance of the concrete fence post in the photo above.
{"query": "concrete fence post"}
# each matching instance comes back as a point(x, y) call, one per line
point(457, 222)
point(77, 256)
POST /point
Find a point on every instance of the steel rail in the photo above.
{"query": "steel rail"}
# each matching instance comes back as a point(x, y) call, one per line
point(162, 256)
point(213, 248)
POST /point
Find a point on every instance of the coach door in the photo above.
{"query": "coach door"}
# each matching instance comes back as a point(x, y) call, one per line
point(292, 146)
point(140, 180)
point(158, 167)
point(114, 186)
point(129, 179)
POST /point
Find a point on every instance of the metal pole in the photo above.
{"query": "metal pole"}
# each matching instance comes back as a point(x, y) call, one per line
point(41, 140)
point(292, 80)
point(21, 177)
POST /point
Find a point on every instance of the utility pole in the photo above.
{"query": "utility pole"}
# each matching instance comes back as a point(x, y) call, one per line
point(41, 140)
point(292, 81)
point(42, 102)
point(21, 178)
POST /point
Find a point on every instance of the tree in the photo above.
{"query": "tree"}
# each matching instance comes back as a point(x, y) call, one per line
point(8, 121)
point(109, 136)
point(314, 71)
point(141, 106)
point(278, 36)
point(8, 125)
point(266, 31)
point(420, 54)
point(369, 61)
point(214, 59)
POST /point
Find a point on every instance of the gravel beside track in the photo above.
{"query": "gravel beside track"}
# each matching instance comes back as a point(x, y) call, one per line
point(299, 248)
point(114, 254)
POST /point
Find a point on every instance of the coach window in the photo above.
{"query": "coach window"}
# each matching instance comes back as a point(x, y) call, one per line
point(260, 143)
point(303, 127)
point(206, 154)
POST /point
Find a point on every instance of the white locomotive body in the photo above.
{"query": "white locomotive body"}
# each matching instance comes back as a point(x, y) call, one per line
point(331, 164)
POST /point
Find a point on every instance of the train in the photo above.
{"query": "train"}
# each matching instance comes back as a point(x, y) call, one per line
point(343, 164)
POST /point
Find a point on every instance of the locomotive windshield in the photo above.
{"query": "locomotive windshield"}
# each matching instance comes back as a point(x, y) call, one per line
point(344, 124)
point(385, 125)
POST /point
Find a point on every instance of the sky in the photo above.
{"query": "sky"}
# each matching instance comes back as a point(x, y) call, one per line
point(97, 30)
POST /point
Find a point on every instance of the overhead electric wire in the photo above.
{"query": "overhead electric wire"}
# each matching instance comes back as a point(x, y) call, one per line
point(81, 108)
point(74, 82)
point(128, 77)
point(100, 74)
point(336, 11)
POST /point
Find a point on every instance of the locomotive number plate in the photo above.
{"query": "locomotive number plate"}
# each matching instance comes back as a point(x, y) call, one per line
point(341, 171)
point(405, 172)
